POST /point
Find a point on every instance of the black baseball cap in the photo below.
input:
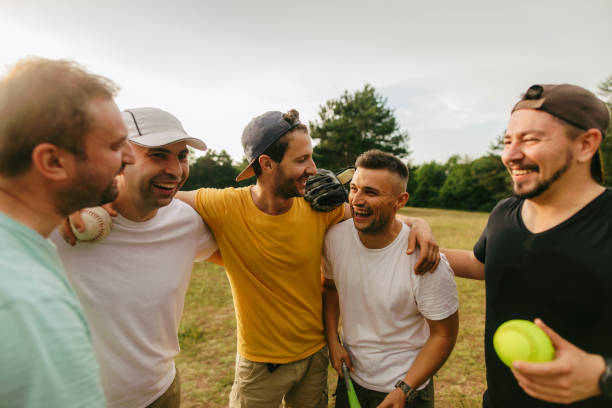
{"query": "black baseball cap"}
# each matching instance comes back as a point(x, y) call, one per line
point(259, 134)
point(573, 104)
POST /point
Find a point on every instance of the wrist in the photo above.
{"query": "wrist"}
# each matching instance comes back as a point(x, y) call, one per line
point(604, 372)
point(408, 392)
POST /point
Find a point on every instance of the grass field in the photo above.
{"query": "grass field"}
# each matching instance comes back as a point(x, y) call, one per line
point(208, 328)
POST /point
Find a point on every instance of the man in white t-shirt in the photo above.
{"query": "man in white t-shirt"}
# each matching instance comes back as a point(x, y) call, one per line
point(132, 284)
point(398, 328)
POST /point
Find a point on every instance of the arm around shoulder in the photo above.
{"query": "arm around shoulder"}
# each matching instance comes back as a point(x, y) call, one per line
point(464, 263)
point(188, 197)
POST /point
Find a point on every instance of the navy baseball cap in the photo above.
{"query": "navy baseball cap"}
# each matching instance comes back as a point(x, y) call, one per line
point(259, 134)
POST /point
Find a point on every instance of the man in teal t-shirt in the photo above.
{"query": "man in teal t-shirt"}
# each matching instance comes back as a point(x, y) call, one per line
point(60, 150)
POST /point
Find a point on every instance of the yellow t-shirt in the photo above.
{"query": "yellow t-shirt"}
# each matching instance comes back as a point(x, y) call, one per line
point(273, 265)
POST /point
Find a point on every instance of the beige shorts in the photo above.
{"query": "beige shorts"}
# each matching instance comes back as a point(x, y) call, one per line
point(302, 383)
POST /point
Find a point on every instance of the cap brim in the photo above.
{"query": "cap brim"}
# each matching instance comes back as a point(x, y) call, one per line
point(166, 138)
point(248, 172)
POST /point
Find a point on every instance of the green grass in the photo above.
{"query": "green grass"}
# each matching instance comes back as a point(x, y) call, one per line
point(208, 329)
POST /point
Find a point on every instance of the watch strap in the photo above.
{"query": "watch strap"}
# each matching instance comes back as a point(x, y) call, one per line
point(410, 392)
point(605, 381)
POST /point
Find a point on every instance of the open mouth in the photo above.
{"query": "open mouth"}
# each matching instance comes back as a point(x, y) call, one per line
point(167, 187)
point(361, 214)
point(521, 172)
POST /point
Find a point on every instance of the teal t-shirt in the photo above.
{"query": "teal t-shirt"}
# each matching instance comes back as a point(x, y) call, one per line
point(46, 356)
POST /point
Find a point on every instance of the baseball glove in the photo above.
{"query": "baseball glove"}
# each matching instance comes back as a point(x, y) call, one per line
point(325, 190)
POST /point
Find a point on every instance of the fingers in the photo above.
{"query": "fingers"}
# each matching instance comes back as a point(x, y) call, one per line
point(544, 373)
point(77, 221)
point(66, 232)
point(347, 361)
point(110, 209)
point(411, 242)
point(544, 393)
point(557, 341)
point(429, 259)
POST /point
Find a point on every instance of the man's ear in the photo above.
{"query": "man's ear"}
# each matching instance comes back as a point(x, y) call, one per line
point(588, 143)
point(265, 163)
point(52, 162)
point(401, 200)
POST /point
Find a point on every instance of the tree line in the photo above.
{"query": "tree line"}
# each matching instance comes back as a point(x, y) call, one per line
point(359, 121)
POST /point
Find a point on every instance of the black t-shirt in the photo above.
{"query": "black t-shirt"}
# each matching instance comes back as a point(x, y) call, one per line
point(562, 275)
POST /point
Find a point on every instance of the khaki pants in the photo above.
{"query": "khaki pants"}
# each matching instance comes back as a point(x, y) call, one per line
point(172, 397)
point(302, 383)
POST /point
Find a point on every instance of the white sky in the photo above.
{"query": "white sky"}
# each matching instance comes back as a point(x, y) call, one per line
point(451, 69)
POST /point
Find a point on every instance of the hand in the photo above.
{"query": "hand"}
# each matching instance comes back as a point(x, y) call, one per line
point(75, 218)
point(395, 399)
point(572, 376)
point(338, 355)
point(422, 235)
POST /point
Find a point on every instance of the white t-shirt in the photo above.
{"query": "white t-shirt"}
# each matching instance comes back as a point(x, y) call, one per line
point(132, 287)
point(383, 303)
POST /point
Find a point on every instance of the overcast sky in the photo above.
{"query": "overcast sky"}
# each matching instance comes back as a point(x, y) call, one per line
point(450, 69)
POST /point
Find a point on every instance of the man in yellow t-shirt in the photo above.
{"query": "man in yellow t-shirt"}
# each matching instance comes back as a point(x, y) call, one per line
point(271, 242)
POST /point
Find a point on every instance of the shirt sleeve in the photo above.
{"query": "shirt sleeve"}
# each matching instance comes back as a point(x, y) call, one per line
point(207, 244)
point(334, 216)
point(47, 359)
point(436, 293)
point(480, 247)
point(326, 264)
point(209, 203)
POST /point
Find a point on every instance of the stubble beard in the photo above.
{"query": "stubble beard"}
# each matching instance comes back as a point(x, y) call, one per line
point(84, 192)
point(542, 186)
point(285, 186)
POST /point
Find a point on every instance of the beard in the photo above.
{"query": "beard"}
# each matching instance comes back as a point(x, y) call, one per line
point(544, 185)
point(285, 186)
point(85, 191)
point(379, 222)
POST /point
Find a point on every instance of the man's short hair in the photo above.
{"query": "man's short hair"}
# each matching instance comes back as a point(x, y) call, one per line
point(46, 101)
point(378, 160)
point(277, 150)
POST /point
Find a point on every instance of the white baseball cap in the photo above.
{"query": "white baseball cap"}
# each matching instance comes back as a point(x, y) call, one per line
point(152, 127)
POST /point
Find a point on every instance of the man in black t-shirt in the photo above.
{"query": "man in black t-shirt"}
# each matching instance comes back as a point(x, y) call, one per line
point(547, 253)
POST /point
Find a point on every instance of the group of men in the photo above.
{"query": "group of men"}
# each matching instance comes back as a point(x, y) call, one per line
point(97, 325)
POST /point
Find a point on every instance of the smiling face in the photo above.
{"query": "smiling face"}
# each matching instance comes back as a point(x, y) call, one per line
point(375, 196)
point(537, 152)
point(295, 167)
point(157, 174)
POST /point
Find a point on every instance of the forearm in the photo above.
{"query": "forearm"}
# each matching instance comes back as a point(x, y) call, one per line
point(434, 353)
point(331, 313)
point(216, 258)
point(409, 221)
point(464, 263)
point(188, 197)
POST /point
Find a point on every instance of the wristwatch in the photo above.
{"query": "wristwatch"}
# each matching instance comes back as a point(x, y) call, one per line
point(605, 381)
point(410, 392)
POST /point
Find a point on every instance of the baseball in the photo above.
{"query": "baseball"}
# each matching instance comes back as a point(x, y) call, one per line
point(522, 340)
point(97, 222)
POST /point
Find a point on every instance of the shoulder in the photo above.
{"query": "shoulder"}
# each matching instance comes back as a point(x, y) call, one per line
point(328, 218)
point(507, 205)
point(178, 208)
point(340, 230)
point(222, 193)
point(28, 278)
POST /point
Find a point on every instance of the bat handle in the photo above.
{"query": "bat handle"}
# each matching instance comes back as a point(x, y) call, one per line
point(345, 371)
